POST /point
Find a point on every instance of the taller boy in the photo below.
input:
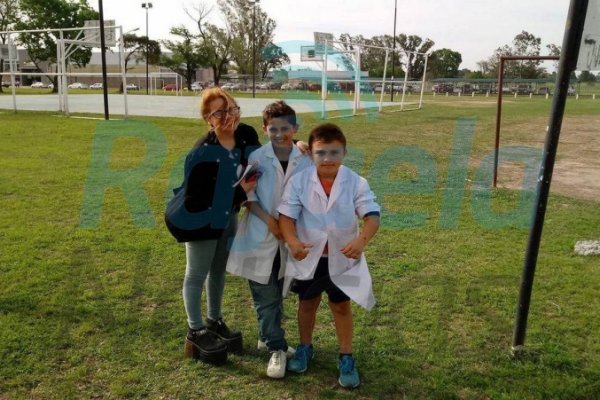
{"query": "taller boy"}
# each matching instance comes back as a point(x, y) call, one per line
point(258, 253)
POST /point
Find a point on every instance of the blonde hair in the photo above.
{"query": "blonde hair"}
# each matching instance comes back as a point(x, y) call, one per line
point(211, 94)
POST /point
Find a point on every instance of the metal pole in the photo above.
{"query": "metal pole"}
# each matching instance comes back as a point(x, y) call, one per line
point(147, 47)
point(498, 115)
point(254, 48)
point(393, 49)
point(123, 70)
point(567, 64)
point(387, 53)
point(11, 64)
point(103, 54)
point(423, 81)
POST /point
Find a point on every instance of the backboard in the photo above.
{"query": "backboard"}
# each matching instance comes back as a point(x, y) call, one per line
point(93, 35)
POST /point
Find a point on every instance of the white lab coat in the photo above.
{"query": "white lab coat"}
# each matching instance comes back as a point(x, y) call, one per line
point(321, 220)
point(254, 246)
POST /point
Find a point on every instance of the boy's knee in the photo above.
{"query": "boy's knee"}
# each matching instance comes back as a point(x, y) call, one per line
point(310, 304)
point(341, 309)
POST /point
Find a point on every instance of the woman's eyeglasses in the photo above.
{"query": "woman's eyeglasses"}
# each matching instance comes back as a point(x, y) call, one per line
point(233, 111)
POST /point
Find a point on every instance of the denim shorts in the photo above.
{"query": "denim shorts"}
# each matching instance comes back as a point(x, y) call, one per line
point(320, 283)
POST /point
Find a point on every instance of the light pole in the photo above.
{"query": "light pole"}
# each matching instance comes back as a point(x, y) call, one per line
point(254, 46)
point(147, 6)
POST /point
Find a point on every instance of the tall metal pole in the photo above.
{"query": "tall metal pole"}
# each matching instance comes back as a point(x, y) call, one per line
point(147, 6)
point(103, 56)
point(254, 48)
point(393, 49)
point(567, 64)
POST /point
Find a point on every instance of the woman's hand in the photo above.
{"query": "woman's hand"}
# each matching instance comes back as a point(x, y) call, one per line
point(225, 126)
point(248, 185)
point(303, 147)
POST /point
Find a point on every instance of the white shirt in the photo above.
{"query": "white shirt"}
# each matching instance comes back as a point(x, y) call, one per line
point(321, 220)
point(254, 246)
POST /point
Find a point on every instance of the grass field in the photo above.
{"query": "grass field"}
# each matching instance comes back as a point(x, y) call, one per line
point(95, 311)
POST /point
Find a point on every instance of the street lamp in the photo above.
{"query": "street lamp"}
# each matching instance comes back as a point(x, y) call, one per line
point(254, 2)
point(147, 6)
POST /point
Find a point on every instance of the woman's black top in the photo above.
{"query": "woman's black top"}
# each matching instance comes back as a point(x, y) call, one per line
point(210, 196)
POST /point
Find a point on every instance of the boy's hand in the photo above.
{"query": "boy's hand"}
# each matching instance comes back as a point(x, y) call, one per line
point(355, 248)
point(300, 250)
point(273, 225)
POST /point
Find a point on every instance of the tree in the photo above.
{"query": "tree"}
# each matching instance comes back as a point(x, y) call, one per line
point(524, 44)
point(414, 44)
point(444, 63)
point(554, 50)
point(586, 76)
point(53, 14)
point(272, 57)
point(372, 59)
point(250, 24)
point(135, 50)
point(9, 15)
point(215, 44)
point(186, 56)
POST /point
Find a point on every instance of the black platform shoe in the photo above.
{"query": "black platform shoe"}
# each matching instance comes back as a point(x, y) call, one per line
point(205, 346)
point(233, 339)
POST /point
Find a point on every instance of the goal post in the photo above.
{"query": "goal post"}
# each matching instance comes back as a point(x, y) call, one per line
point(326, 47)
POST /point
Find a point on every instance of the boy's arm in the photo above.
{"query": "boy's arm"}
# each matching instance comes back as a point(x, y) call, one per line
point(298, 249)
point(357, 245)
point(267, 218)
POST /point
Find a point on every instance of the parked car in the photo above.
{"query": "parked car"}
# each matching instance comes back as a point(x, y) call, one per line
point(571, 91)
point(132, 86)
point(442, 88)
point(170, 87)
point(523, 89)
point(197, 86)
point(97, 85)
point(38, 85)
point(544, 90)
point(78, 85)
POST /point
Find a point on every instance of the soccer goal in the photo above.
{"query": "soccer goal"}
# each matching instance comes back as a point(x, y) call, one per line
point(323, 53)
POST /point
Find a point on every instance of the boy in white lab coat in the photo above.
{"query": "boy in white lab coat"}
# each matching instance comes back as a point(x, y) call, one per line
point(257, 252)
point(318, 220)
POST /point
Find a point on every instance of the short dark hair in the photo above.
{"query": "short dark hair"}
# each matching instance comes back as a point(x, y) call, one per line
point(326, 133)
point(279, 109)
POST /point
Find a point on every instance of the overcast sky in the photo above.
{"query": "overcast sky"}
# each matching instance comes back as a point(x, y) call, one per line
point(475, 28)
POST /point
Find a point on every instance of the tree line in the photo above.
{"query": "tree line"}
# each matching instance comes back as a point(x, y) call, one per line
point(206, 45)
point(226, 49)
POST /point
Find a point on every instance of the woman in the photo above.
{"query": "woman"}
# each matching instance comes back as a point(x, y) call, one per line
point(212, 201)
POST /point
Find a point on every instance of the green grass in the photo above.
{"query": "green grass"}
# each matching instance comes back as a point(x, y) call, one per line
point(97, 312)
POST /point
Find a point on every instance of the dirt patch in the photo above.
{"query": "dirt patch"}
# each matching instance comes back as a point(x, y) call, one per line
point(577, 168)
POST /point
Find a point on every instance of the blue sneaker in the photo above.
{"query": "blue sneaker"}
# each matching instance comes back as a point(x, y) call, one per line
point(299, 362)
point(348, 373)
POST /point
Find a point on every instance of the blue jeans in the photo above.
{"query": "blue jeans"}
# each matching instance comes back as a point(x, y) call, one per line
point(206, 261)
point(268, 302)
